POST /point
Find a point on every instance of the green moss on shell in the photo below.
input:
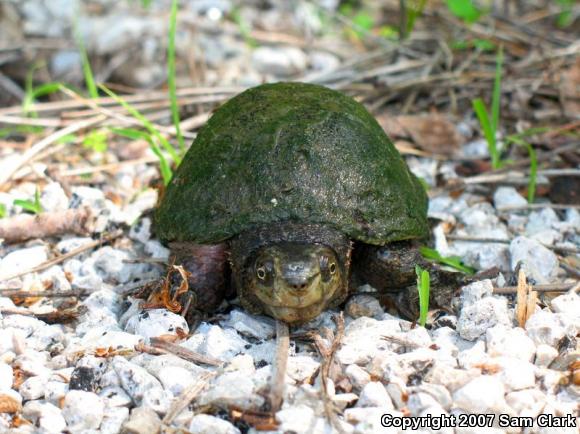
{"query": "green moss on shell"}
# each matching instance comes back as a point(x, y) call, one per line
point(298, 152)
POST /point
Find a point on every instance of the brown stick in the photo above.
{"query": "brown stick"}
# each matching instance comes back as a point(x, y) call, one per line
point(186, 397)
point(278, 379)
point(24, 227)
point(50, 294)
point(553, 287)
point(184, 353)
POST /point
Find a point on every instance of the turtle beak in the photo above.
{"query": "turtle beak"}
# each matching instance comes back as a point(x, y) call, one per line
point(299, 277)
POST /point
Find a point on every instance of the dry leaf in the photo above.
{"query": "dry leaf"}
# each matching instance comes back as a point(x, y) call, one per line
point(431, 132)
point(9, 404)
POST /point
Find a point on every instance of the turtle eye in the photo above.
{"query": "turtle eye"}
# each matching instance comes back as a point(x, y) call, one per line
point(261, 273)
point(332, 268)
point(327, 268)
point(264, 271)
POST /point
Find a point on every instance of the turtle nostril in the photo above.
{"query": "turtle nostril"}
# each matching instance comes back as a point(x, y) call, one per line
point(299, 287)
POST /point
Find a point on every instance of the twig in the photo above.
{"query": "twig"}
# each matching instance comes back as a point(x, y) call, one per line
point(52, 317)
point(24, 227)
point(46, 142)
point(552, 287)
point(186, 397)
point(278, 379)
point(184, 353)
point(18, 293)
point(61, 258)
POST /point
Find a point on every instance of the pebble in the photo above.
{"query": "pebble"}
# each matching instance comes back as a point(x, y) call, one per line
point(568, 303)
point(176, 379)
point(502, 341)
point(476, 291)
point(113, 420)
point(545, 354)
point(364, 305)
point(47, 416)
point(279, 61)
point(22, 259)
point(548, 328)
point(483, 394)
point(6, 376)
point(374, 394)
point(258, 327)
point(302, 369)
point(53, 198)
point(476, 318)
point(216, 342)
point(143, 420)
point(538, 262)
point(515, 374)
point(357, 376)
point(33, 387)
point(207, 424)
point(156, 322)
point(83, 410)
point(508, 197)
point(234, 389)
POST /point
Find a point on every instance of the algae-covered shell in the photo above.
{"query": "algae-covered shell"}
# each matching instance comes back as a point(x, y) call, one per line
point(292, 152)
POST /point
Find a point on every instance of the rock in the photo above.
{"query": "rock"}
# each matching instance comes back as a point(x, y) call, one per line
point(540, 221)
point(115, 396)
point(53, 198)
point(529, 402)
point(176, 379)
point(538, 262)
point(206, 424)
point(279, 61)
point(298, 419)
point(475, 292)
point(141, 386)
point(508, 197)
point(109, 264)
point(363, 339)
point(55, 391)
point(475, 319)
point(568, 303)
point(155, 364)
point(66, 65)
point(474, 356)
point(22, 259)
point(113, 420)
point(357, 376)
point(258, 327)
point(104, 337)
point(33, 387)
point(548, 328)
point(156, 322)
point(545, 354)
point(216, 342)
point(243, 363)
point(476, 148)
point(515, 374)
point(367, 420)
point(6, 376)
point(483, 394)
point(48, 417)
point(323, 61)
point(83, 410)
point(302, 368)
point(232, 388)
point(56, 279)
point(364, 305)
point(143, 420)
point(156, 249)
point(503, 341)
point(374, 394)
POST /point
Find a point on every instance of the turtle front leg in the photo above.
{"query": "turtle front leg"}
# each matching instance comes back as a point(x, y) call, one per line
point(206, 272)
point(390, 270)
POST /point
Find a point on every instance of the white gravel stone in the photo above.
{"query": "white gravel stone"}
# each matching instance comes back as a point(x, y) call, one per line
point(54, 391)
point(143, 420)
point(216, 342)
point(22, 259)
point(176, 379)
point(53, 198)
point(33, 387)
point(473, 356)
point(6, 376)
point(483, 394)
point(503, 341)
point(568, 303)
point(47, 416)
point(364, 305)
point(113, 420)
point(475, 292)
point(476, 318)
point(109, 264)
point(507, 197)
point(207, 424)
point(258, 327)
point(155, 364)
point(545, 327)
point(279, 61)
point(115, 396)
point(529, 402)
point(156, 322)
point(545, 354)
point(538, 262)
point(83, 410)
point(232, 388)
point(301, 369)
point(539, 221)
point(374, 394)
point(367, 420)
point(103, 337)
point(141, 386)
point(515, 374)
point(363, 338)
point(243, 363)
point(358, 377)
point(419, 401)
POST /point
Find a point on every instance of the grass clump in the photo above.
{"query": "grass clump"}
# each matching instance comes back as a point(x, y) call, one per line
point(32, 206)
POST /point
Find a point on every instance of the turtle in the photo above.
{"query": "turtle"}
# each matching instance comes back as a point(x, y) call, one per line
point(288, 193)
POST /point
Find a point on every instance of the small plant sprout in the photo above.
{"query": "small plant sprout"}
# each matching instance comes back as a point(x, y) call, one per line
point(87, 71)
point(465, 10)
point(410, 14)
point(490, 126)
point(423, 286)
point(32, 206)
point(451, 261)
point(518, 140)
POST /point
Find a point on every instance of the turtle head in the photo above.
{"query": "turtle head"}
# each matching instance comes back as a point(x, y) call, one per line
point(295, 282)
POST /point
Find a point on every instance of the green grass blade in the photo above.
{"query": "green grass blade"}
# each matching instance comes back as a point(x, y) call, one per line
point(171, 75)
point(413, 13)
point(451, 261)
point(146, 123)
point(496, 97)
point(488, 131)
point(424, 289)
point(87, 71)
point(517, 139)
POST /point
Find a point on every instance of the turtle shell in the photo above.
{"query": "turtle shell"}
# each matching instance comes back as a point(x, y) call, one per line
point(292, 152)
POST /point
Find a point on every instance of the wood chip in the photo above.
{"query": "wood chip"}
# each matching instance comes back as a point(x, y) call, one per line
point(526, 300)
